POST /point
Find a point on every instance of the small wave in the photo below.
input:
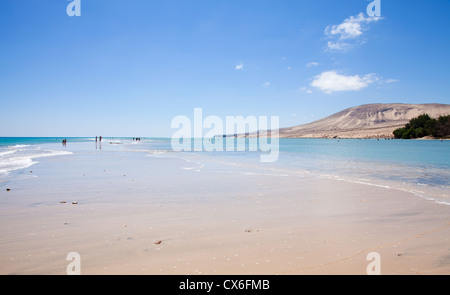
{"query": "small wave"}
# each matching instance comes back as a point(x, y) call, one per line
point(20, 161)
point(153, 153)
point(200, 165)
point(51, 154)
point(18, 146)
point(250, 173)
point(416, 193)
point(370, 184)
point(7, 153)
point(442, 203)
point(276, 174)
point(15, 163)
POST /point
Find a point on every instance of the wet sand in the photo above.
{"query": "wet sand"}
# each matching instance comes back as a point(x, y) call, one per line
point(140, 214)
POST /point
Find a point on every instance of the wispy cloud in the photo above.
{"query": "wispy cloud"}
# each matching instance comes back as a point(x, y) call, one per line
point(267, 84)
point(306, 90)
point(239, 67)
point(312, 64)
point(332, 81)
point(338, 46)
point(349, 32)
point(389, 81)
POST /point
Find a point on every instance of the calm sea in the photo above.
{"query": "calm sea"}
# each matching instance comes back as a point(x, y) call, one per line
point(415, 162)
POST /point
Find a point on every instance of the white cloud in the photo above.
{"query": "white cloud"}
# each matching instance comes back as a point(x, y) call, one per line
point(340, 46)
point(331, 81)
point(239, 67)
point(312, 64)
point(267, 84)
point(306, 90)
point(351, 28)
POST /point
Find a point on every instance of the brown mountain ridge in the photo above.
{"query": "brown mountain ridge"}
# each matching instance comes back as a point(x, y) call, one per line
point(366, 121)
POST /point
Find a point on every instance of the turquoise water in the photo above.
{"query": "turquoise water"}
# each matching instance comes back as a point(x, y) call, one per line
point(416, 162)
point(419, 162)
point(433, 152)
point(423, 162)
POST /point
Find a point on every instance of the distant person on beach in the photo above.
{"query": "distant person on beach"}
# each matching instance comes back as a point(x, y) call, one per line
point(100, 138)
point(96, 138)
point(64, 142)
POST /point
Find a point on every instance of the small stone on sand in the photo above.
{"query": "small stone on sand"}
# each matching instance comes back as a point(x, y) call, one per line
point(158, 242)
point(74, 202)
point(8, 189)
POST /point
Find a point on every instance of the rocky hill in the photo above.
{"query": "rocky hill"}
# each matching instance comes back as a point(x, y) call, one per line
point(366, 121)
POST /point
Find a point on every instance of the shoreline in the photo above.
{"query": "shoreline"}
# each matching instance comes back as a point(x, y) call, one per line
point(138, 213)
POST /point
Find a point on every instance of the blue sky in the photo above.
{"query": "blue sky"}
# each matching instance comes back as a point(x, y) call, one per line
point(127, 68)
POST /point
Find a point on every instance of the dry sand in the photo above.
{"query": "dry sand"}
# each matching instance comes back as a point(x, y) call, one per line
point(150, 215)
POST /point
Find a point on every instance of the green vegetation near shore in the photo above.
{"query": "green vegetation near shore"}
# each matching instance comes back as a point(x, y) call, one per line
point(423, 126)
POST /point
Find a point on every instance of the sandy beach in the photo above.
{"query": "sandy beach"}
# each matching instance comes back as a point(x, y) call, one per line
point(145, 213)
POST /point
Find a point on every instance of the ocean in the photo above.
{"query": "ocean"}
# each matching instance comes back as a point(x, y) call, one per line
point(419, 166)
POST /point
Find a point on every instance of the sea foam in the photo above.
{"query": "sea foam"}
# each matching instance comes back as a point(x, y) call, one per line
point(23, 156)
